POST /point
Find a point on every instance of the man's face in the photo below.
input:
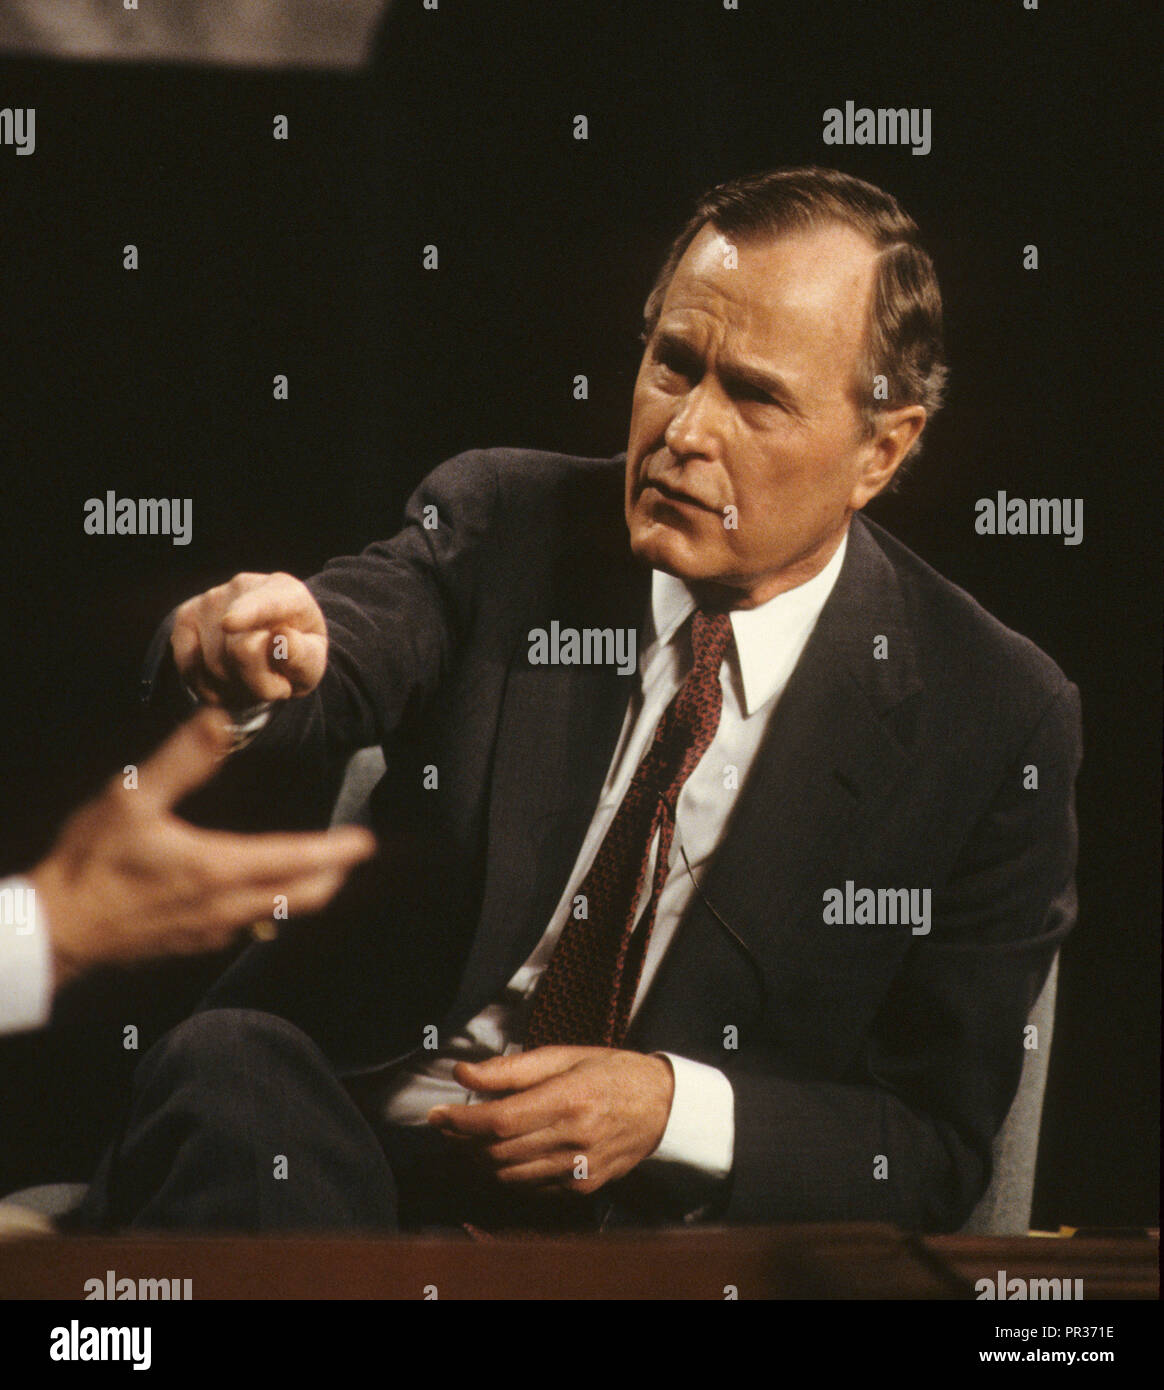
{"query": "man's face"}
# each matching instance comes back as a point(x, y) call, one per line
point(746, 455)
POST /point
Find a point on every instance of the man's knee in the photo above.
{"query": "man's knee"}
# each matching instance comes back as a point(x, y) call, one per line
point(239, 1122)
point(222, 1041)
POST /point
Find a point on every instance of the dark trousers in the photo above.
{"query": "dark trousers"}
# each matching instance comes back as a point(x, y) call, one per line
point(238, 1122)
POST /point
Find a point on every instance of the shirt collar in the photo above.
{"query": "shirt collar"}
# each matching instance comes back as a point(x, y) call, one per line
point(768, 639)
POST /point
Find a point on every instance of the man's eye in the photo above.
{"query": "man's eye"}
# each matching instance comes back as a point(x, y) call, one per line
point(676, 365)
point(748, 394)
point(756, 394)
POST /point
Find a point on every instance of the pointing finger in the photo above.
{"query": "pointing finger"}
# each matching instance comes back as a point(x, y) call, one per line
point(249, 653)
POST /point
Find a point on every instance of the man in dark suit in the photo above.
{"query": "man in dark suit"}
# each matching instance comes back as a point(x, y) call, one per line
point(736, 855)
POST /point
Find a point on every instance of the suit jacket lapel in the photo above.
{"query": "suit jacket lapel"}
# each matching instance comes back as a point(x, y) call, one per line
point(558, 730)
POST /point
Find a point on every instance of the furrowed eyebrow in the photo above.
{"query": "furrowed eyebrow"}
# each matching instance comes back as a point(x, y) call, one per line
point(677, 348)
point(739, 373)
point(736, 376)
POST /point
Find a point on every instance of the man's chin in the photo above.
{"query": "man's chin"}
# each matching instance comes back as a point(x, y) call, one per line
point(663, 548)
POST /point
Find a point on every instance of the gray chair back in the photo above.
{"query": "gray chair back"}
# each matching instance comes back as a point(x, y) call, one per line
point(1005, 1207)
point(363, 771)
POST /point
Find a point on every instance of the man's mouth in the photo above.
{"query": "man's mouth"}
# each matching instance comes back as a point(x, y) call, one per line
point(674, 494)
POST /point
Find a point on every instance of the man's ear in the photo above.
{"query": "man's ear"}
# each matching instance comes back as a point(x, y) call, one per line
point(896, 433)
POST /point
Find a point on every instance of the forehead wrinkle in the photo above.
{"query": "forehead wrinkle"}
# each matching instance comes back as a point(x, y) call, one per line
point(792, 301)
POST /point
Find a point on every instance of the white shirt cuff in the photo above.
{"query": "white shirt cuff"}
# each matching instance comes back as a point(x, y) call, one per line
point(26, 986)
point(701, 1129)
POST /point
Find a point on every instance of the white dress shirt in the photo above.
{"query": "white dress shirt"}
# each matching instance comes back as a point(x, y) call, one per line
point(768, 643)
point(25, 960)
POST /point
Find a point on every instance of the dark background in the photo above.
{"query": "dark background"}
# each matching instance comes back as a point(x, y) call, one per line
point(304, 257)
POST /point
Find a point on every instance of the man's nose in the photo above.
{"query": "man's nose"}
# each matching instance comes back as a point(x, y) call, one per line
point(696, 427)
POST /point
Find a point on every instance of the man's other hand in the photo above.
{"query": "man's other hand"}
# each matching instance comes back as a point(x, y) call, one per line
point(128, 880)
point(258, 637)
point(559, 1106)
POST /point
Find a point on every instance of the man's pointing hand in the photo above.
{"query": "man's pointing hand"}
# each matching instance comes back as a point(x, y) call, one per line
point(258, 637)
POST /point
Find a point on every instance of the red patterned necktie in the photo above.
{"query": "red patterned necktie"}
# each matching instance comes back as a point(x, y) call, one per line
point(589, 985)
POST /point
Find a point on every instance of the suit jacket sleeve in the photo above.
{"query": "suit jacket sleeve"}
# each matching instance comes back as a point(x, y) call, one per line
point(909, 1140)
point(394, 617)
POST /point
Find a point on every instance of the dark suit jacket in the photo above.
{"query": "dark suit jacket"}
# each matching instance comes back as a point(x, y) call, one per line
point(859, 1049)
